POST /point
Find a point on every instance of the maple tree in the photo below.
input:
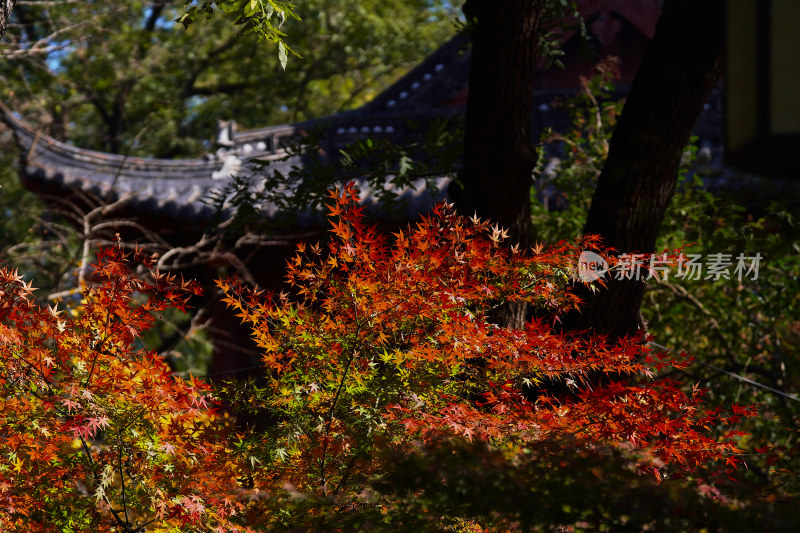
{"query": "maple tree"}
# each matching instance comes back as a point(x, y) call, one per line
point(95, 431)
point(379, 353)
point(382, 344)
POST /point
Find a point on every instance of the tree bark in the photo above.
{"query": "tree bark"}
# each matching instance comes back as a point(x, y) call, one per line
point(6, 7)
point(682, 65)
point(495, 180)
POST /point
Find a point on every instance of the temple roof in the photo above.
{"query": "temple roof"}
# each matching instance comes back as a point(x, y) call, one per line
point(175, 189)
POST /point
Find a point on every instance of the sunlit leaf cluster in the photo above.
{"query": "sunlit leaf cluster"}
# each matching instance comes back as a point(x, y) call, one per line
point(96, 433)
point(265, 18)
point(382, 342)
point(381, 351)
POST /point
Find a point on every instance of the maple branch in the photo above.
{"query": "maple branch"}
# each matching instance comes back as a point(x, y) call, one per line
point(93, 466)
point(122, 482)
point(348, 470)
point(353, 354)
point(97, 349)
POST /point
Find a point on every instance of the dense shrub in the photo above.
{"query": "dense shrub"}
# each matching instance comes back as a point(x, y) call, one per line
point(388, 400)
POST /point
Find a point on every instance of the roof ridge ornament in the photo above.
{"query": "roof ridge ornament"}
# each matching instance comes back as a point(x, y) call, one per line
point(225, 132)
point(231, 166)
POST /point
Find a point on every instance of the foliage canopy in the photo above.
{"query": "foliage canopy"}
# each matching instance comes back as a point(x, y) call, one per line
point(379, 348)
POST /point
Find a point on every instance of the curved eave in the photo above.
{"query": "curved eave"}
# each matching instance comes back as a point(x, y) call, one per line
point(154, 186)
point(342, 128)
point(44, 150)
point(165, 192)
point(434, 83)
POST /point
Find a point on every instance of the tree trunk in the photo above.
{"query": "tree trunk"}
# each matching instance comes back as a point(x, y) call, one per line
point(6, 7)
point(498, 155)
point(495, 181)
point(681, 67)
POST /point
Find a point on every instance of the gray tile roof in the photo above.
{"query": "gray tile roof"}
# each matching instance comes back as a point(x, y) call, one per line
point(179, 189)
point(174, 190)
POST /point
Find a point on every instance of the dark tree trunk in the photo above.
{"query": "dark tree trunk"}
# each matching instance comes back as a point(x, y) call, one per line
point(498, 155)
point(6, 7)
point(495, 181)
point(673, 82)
